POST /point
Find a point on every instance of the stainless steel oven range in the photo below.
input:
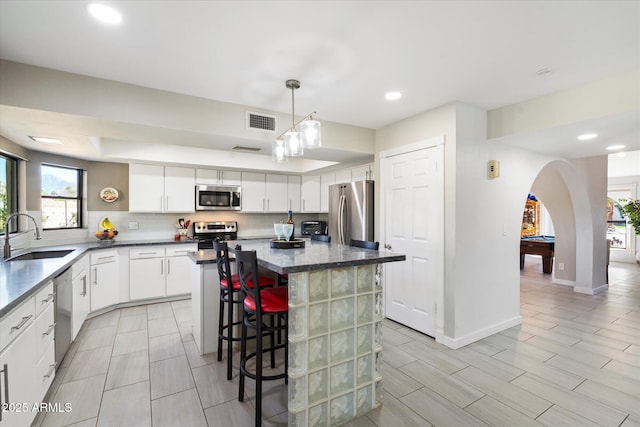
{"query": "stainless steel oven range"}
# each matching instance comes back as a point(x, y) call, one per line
point(206, 232)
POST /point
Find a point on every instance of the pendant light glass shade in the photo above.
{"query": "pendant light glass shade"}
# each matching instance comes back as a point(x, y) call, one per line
point(292, 144)
point(277, 151)
point(310, 133)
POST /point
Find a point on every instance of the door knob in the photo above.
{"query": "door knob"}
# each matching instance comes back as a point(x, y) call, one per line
point(387, 246)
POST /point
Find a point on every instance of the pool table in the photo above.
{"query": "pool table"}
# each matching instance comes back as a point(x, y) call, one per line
point(538, 245)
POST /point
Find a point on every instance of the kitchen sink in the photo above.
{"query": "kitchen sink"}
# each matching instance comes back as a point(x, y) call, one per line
point(41, 255)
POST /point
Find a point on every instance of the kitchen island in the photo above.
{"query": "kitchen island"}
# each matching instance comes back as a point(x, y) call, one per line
point(335, 324)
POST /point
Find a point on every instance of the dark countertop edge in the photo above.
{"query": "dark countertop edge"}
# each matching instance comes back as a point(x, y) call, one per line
point(79, 249)
point(329, 265)
point(209, 258)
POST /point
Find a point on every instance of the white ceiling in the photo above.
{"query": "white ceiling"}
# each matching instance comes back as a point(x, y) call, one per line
point(347, 54)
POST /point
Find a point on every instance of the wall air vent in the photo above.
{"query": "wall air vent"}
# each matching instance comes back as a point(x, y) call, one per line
point(241, 148)
point(259, 121)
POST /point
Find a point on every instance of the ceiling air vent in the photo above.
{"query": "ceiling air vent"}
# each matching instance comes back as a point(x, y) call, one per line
point(261, 122)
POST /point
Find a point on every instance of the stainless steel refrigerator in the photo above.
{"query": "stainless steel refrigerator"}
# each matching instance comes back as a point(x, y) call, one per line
point(351, 211)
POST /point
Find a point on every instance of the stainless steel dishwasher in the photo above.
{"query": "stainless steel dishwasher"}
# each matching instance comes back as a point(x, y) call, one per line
point(62, 338)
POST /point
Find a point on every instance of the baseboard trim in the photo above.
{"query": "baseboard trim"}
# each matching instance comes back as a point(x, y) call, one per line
point(563, 282)
point(456, 343)
point(591, 291)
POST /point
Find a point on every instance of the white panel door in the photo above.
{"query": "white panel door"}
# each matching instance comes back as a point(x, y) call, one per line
point(414, 197)
point(276, 193)
point(311, 193)
point(146, 188)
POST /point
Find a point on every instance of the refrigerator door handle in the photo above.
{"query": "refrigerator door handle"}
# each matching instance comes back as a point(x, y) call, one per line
point(341, 216)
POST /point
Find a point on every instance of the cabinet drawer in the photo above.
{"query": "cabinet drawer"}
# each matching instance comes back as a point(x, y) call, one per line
point(102, 257)
point(44, 297)
point(178, 250)
point(146, 252)
point(17, 321)
point(45, 372)
point(44, 331)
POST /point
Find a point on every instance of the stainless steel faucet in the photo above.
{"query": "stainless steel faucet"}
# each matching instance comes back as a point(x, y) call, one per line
point(7, 246)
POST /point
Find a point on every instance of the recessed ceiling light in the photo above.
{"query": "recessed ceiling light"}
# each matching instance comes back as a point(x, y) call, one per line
point(587, 136)
point(621, 154)
point(104, 13)
point(392, 96)
point(46, 140)
point(616, 147)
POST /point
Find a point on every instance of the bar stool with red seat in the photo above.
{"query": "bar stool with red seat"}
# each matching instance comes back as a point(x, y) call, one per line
point(265, 311)
point(228, 298)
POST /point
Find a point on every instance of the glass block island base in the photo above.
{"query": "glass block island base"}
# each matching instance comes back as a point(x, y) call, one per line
point(335, 348)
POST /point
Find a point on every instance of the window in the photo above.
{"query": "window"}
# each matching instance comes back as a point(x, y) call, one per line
point(8, 191)
point(61, 197)
point(619, 232)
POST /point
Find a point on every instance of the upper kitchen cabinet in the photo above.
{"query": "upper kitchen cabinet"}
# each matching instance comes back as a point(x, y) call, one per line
point(269, 193)
point(218, 177)
point(310, 193)
point(362, 173)
point(155, 188)
point(325, 181)
point(342, 176)
point(293, 193)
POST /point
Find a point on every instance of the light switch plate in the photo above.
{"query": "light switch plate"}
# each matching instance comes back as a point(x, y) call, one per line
point(133, 225)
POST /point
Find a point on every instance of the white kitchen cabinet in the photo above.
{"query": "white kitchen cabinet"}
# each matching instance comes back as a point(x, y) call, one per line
point(325, 181)
point(294, 196)
point(276, 193)
point(362, 173)
point(156, 272)
point(80, 299)
point(310, 190)
point(179, 269)
point(105, 283)
point(264, 193)
point(146, 188)
point(155, 188)
point(218, 177)
point(253, 192)
point(179, 189)
point(45, 367)
point(18, 351)
point(343, 175)
point(18, 362)
point(146, 273)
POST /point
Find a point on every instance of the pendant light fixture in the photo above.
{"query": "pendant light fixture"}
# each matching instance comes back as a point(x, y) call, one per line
point(292, 142)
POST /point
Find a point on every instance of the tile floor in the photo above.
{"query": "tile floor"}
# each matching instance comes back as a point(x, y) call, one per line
point(574, 361)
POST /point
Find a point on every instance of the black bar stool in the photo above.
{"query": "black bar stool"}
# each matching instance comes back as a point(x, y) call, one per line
point(228, 298)
point(266, 312)
point(365, 244)
point(321, 238)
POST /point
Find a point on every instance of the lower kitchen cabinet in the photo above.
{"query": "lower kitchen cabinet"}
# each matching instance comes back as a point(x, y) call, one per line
point(146, 273)
point(23, 355)
point(18, 362)
point(160, 271)
point(105, 286)
point(179, 269)
point(80, 299)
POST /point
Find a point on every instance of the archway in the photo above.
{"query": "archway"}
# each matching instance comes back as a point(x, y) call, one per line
point(570, 196)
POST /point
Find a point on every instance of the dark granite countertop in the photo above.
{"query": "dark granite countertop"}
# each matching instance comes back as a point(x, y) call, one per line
point(21, 279)
point(314, 256)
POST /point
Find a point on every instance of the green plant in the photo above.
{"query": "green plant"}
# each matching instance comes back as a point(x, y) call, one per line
point(632, 211)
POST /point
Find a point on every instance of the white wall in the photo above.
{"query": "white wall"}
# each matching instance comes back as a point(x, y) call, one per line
point(483, 216)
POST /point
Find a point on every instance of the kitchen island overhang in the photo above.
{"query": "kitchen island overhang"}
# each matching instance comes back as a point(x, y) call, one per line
point(335, 332)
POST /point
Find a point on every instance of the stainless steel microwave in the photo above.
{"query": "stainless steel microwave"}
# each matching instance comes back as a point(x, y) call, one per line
point(218, 198)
